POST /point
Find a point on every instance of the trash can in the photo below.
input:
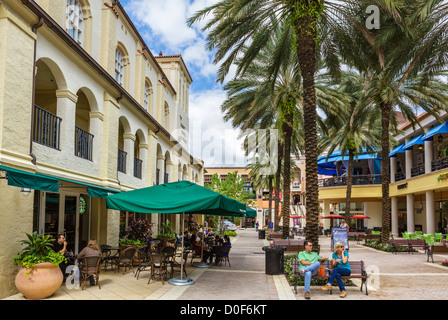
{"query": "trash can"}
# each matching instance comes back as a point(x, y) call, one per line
point(274, 259)
point(261, 234)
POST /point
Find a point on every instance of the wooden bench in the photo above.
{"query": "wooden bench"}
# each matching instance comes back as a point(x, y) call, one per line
point(292, 245)
point(367, 237)
point(421, 244)
point(357, 267)
point(278, 235)
point(400, 243)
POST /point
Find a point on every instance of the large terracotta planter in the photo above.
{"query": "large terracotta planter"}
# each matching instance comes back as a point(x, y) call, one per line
point(43, 280)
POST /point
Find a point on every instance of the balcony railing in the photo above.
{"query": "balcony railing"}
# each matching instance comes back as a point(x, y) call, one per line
point(83, 144)
point(165, 177)
point(356, 180)
point(400, 176)
point(122, 161)
point(439, 164)
point(138, 168)
point(47, 128)
point(419, 170)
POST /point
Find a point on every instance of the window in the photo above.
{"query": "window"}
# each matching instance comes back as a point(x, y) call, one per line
point(74, 20)
point(147, 96)
point(119, 66)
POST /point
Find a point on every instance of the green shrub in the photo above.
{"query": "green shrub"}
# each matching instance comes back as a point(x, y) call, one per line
point(376, 244)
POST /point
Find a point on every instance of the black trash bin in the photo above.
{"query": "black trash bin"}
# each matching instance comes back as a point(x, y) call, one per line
point(261, 234)
point(274, 259)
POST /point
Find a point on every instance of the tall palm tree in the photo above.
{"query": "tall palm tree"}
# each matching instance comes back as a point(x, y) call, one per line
point(240, 29)
point(402, 66)
point(356, 129)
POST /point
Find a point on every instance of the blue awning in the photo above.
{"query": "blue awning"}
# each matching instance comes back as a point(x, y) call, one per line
point(441, 128)
point(398, 149)
point(415, 141)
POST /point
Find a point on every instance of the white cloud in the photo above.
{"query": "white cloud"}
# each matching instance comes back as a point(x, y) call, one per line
point(212, 139)
point(166, 19)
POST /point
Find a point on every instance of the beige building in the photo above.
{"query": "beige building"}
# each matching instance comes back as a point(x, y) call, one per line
point(85, 110)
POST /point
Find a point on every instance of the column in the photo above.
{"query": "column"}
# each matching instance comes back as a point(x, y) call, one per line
point(393, 168)
point(161, 167)
point(394, 216)
point(430, 212)
point(143, 151)
point(410, 213)
point(129, 140)
point(428, 156)
point(96, 129)
point(66, 110)
point(169, 165)
point(408, 164)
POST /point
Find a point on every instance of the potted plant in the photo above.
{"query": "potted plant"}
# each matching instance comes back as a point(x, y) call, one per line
point(40, 275)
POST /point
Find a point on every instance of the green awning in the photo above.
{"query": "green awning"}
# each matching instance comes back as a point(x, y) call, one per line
point(176, 197)
point(250, 213)
point(36, 181)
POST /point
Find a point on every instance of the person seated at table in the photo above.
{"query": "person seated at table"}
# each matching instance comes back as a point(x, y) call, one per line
point(199, 248)
point(187, 239)
point(92, 249)
point(214, 251)
point(224, 254)
point(60, 245)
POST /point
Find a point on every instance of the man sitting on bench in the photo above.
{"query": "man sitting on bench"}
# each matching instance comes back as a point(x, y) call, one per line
point(309, 265)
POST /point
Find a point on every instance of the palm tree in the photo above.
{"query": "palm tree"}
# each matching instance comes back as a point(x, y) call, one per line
point(402, 65)
point(240, 29)
point(356, 129)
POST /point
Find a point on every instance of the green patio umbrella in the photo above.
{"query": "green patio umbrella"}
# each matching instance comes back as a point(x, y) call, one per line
point(177, 197)
point(250, 213)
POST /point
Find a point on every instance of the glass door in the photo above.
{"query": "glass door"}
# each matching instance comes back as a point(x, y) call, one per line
point(70, 221)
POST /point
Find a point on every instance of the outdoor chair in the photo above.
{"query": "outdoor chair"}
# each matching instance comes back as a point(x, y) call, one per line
point(438, 238)
point(170, 253)
point(419, 233)
point(108, 258)
point(158, 266)
point(144, 262)
point(225, 252)
point(412, 236)
point(90, 266)
point(405, 235)
point(125, 259)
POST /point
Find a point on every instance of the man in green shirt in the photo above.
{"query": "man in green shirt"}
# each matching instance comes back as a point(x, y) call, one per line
point(309, 265)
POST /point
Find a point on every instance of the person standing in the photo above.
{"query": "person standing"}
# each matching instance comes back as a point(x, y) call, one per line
point(341, 267)
point(309, 265)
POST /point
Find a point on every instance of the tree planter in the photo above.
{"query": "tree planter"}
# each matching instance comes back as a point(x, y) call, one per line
point(43, 280)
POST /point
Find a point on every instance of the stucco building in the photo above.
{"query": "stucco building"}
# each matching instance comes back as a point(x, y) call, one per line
point(86, 110)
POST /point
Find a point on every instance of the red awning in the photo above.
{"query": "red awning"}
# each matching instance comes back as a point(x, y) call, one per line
point(333, 216)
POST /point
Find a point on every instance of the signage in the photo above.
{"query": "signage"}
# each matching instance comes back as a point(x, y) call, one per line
point(402, 186)
point(339, 235)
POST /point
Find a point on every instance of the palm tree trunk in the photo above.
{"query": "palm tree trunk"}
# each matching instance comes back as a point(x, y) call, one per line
point(278, 185)
point(306, 52)
point(349, 186)
point(385, 171)
point(287, 132)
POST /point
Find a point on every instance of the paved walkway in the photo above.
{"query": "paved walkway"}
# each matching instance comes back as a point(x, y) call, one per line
point(401, 276)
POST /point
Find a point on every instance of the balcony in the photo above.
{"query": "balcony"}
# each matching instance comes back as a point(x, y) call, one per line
point(122, 161)
point(47, 128)
point(400, 176)
point(356, 180)
point(439, 164)
point(419, 170)
point(296, 186)
point(83, 144)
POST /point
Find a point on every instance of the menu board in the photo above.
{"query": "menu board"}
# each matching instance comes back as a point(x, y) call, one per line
point(339, 235)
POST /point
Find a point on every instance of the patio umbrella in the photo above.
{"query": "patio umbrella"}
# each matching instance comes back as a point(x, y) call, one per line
point(333, 216)
point(359, 216)
point(177, 198)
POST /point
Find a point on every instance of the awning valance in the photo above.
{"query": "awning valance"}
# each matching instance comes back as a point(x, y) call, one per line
point(441, 128)
point(28, 180)
point(397, 149)
point(414, 141)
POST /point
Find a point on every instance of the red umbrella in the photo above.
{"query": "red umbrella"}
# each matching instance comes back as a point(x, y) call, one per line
point(296, 216)
point(359, 216)
point(335, 216)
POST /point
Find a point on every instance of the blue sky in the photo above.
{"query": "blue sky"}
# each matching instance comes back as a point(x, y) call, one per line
point(162, 24)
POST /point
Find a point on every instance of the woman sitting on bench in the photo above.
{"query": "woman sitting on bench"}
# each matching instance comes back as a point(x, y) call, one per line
point(341, 267)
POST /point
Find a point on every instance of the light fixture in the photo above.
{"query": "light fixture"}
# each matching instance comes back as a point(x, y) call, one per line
point(25, 190)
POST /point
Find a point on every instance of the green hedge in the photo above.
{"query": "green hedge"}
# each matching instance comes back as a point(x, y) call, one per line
point(376, 244)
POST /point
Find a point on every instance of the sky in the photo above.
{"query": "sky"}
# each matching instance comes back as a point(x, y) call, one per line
point(162, 24)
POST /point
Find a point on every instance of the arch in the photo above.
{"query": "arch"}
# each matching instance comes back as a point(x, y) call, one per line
point(148, 96)
point(125, 123)
point(93, 102)
point(56, 72)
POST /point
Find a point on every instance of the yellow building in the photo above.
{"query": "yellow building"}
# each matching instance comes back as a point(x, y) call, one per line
point(418, 188)
point(85, 110)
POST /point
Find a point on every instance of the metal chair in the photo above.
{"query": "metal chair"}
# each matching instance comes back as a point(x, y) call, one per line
point(158, 266)
point(125, 259)
point(108, 258)
point(144, 262)
point(90, 266)
point(225, 250)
